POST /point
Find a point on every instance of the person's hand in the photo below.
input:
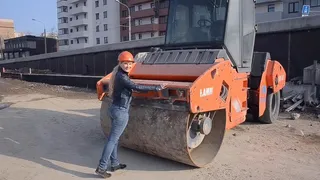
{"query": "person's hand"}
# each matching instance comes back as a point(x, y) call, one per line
point(161, 87)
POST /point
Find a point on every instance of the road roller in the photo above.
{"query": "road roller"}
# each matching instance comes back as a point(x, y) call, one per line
point(213, 78)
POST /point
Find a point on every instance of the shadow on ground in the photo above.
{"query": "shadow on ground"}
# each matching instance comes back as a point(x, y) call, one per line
point(54, 139)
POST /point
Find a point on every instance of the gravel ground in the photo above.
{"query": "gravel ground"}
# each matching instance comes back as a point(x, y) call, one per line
point(53, 132)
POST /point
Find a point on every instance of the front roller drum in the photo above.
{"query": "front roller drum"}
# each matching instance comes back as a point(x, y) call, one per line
point(192, 139)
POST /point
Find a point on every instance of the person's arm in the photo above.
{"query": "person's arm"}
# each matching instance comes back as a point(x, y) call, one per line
point(131, 85)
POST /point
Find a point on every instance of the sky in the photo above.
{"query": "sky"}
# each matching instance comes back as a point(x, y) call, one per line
point(23, 11)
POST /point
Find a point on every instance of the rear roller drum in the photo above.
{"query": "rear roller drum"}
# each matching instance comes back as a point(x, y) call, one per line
point(192, 139)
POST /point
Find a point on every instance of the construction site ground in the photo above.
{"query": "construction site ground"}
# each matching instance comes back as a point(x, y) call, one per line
point(53, 132)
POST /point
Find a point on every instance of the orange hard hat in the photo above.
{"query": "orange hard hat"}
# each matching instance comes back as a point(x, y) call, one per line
point(125, 56)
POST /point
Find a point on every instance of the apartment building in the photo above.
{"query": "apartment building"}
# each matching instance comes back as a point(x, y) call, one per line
point(86, 23)
point(148, 18)
point(272, 10)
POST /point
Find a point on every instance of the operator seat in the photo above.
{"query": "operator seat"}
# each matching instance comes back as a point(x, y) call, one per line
point(195, 34)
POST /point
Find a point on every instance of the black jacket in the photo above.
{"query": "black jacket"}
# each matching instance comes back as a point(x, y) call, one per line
point(123, 87)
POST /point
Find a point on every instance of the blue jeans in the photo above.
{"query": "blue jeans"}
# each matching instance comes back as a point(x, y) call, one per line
point(119, 119)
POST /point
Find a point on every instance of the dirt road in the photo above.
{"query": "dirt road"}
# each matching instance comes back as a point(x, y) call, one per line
point(53, 132)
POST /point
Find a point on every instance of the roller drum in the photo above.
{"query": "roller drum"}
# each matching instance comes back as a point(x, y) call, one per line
point(166, 133)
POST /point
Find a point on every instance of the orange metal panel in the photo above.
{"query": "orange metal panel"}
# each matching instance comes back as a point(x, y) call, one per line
point(276, 75)
point(170, 72)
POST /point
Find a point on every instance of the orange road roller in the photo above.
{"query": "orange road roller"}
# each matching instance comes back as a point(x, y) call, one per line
point(213, 78)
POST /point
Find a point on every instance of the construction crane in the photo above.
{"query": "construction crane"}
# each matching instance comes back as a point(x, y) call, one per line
point(214, 80)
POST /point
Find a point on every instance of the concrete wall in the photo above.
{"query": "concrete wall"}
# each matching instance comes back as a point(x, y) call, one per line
point(293, 42)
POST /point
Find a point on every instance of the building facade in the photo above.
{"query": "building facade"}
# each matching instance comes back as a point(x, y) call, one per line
point(148, 18)
point(86, 23)
point(6, 31)
point(27, 46)
point(273, 10)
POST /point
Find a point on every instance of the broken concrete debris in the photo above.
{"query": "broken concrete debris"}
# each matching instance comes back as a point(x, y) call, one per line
point(299, 97)
point(295, 116)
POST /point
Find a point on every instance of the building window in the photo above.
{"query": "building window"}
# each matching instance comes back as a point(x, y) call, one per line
point(78, 41)
point(152, 20)
point(140, 22)
point(162, 19)
point(312, 3)
point(106, 40)
point(124, 26)
point(140, 36)
point(105, 27)
point(132, 9)
point(85, 27)
point(97, 3)
point(77, 17)
point(125, 38)
point(105, 14)
point(71, 30)
point(293, 7)
point(62, 9)
point(124, 13)
point(77, 5)
point(98, 40)
point(152, 5)
point(97, 28)
point(86, 40)
point(85, 15)
point(97, 16)
point(152, 34)
point(63, 42)
point(271, 8)
point(70, 19)
point(85, 3)
point(104, 2)
point(77, 29)
point(71, 41)
point(140, 7)
point(63, 20)
point(164, 4)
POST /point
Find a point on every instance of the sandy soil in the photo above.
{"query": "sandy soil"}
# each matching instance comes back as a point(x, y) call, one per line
point(53, 132)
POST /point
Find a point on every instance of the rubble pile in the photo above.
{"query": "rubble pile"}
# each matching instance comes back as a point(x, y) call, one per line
point(299, 101)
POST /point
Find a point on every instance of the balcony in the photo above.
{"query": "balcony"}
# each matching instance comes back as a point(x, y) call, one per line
point(63, 14)
point(62, 3)
point(78, 10)
point(63, 25)
point(131, 2)
point(79, 34)
point(74, 1)
point(144, 13)
point(145, 28)
point(78, 22)
point(63, 36)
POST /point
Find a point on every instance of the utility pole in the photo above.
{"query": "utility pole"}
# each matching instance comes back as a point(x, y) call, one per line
point(129, 17)
point(1, 52)
point(45, 35)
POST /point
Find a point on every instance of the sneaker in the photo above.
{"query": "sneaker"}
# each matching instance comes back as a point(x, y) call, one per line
point(103, 173)
point(120, 166)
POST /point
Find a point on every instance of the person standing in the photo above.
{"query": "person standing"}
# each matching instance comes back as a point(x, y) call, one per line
point(120, 90)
